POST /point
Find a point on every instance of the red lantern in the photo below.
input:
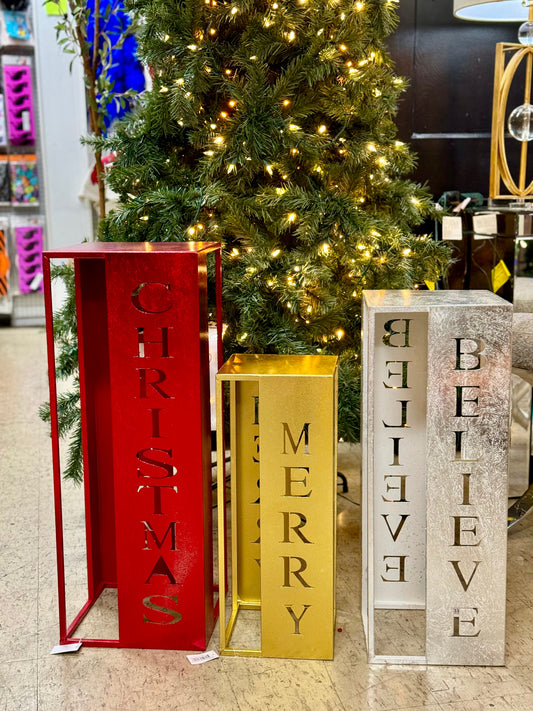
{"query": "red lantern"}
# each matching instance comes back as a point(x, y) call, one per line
point(144, 381)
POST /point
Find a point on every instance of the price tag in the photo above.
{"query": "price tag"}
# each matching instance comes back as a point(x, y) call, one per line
point(66, 648)
point(452, 228)
point(485, 226)
point(203, 657)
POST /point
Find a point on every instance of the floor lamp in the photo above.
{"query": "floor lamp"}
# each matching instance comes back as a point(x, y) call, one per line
point(518, 122)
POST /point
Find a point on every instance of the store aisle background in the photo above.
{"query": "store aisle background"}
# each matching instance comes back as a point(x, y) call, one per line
point(113, 679)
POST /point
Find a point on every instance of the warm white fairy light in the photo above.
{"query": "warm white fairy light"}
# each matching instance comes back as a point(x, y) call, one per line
point(163, 90)
point(291, 217)
point(209, 153)
point(234, 252)
point(192, 47)
point(219, 140)
point(275, 252)
point(291, 35)
point(234, 10)
point(371, 147)
point(269, 169)
point(339, 333)
point(406, 252)
point(322, 129)
point(145, 218)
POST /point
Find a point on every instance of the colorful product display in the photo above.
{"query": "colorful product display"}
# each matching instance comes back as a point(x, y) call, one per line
point(19, 104)
point(24, 180)
point(5, 181)
point(16, 26)
point(3, 131)
point(29, 245)
point(4, 264)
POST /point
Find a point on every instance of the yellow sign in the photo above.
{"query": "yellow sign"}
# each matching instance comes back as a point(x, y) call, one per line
point(283, 422)
point(500, 275)
point(56, 8)
point(430, 285)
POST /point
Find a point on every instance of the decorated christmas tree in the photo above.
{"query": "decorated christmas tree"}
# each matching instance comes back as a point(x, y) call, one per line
point(270, 128)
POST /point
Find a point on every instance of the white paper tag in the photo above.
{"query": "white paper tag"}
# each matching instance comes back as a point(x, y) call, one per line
point(26, 124)
point(485, 226)
point(36, 281)
point(452, 228)
point(64, 648)
point(203, 657)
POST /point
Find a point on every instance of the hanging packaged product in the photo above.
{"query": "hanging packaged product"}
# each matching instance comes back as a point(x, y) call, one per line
point(28, 241)
point(19, 104)
point(5, 262)
point(24, 180)
point(15, 29)
point(5, 181)
point(3, 130)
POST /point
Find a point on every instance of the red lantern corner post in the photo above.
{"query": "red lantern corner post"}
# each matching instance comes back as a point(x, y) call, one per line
point(144, 380)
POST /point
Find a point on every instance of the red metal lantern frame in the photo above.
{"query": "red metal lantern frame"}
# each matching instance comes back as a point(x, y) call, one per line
point(104, 274)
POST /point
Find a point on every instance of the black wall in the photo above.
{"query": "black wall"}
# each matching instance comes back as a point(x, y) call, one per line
point(446, 113)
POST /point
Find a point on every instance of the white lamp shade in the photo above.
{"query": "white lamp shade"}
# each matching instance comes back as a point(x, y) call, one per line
point(490, 10)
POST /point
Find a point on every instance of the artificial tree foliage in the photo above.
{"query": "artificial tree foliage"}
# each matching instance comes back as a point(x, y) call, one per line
point(270, 127)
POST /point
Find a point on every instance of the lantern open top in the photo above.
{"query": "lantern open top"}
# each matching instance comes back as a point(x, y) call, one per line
point(100, 249)
point(242, 364)
point(401, 298)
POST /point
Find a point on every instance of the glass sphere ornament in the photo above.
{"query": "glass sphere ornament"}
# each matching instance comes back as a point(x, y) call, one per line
point(520, 123)
point(525, 33)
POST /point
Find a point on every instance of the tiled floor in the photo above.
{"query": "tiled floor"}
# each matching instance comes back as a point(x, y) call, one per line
point(95, 678)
